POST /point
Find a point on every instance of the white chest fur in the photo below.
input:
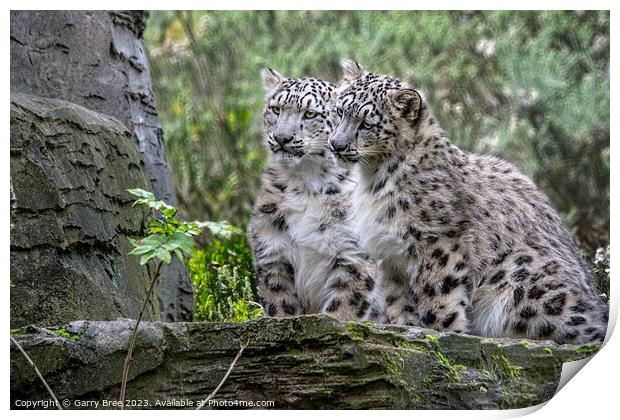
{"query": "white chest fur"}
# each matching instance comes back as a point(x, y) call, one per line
point(314, 235)
point(310, 249)
point(376, 234)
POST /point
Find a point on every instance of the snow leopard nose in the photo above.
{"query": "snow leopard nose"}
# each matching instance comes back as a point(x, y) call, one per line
point(339, 144)
point(283, 139)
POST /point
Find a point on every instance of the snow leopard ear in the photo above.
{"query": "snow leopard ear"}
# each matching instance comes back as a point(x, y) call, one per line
point(271, 79)
point(351, 70)
point(407, 102)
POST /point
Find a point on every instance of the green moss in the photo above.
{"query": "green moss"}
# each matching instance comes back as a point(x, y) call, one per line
point(364, 331)
point(454, 370)
point(427, 383)
point(64, 333)
point(431, 337)
point(587, 350)
point(442, 358)
point(18, 331)
point(357, 331)
point(404, 344)
point(508, 398)
point(548, 350)
point(525, 399)
point(395, 367)
point(506, 368)
point(526, 343)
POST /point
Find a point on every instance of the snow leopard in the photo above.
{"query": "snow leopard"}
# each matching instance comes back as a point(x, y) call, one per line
point(467, 242)
point(306, 258)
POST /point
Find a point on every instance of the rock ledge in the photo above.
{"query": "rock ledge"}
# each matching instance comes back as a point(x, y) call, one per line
point(297, 362)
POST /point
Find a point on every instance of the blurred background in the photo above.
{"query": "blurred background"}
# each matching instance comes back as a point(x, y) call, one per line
point(531, 87)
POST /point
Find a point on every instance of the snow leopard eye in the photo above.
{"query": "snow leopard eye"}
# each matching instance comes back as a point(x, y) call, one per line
point(367, 126)
point(275, 109)
point(310, 114)
point(339, 112)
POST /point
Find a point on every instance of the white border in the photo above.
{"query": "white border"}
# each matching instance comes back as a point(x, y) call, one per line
point(590, 395)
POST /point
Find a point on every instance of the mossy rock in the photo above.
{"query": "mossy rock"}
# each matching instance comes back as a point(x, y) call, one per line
point(298, 362)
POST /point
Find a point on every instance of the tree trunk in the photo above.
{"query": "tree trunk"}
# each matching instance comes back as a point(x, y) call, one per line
point(97, 59)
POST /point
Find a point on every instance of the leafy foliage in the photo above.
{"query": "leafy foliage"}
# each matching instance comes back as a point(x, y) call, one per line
point(167, 234)
point(223, 276)
point(532, 87)
point(223, 291)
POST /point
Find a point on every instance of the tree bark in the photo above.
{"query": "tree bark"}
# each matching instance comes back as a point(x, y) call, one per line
point(97, 59)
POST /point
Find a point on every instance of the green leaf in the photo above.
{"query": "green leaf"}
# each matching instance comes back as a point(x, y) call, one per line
point(180, 240)
point(147, 257)
point(147, 244)
point(140, 250)
point(154, 240)
point(158, 205)
point(140, 202)
point(170, 212)
point(222, 228)
point(139, 193)
point(157, 229)
point(163, 254)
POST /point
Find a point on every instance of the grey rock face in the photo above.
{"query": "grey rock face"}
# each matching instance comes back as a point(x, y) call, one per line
point(297, 362)
point(97, 59)
point(71, 215)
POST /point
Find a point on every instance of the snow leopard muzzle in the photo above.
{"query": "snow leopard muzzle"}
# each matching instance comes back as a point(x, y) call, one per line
point(341, 141)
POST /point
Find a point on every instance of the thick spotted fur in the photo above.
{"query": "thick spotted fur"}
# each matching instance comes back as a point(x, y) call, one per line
point(467, 242)
point(306, 257)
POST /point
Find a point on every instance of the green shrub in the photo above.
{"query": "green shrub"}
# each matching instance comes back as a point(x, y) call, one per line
point(224, 280)
point(221, 272)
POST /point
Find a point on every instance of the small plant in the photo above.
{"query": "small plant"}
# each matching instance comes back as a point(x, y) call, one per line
point(166, 237)
point(223, 278)
point(167, 234)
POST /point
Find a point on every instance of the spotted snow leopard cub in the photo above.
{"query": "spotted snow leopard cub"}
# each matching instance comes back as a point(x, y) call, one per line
point(468, 242)
point(306, 258)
